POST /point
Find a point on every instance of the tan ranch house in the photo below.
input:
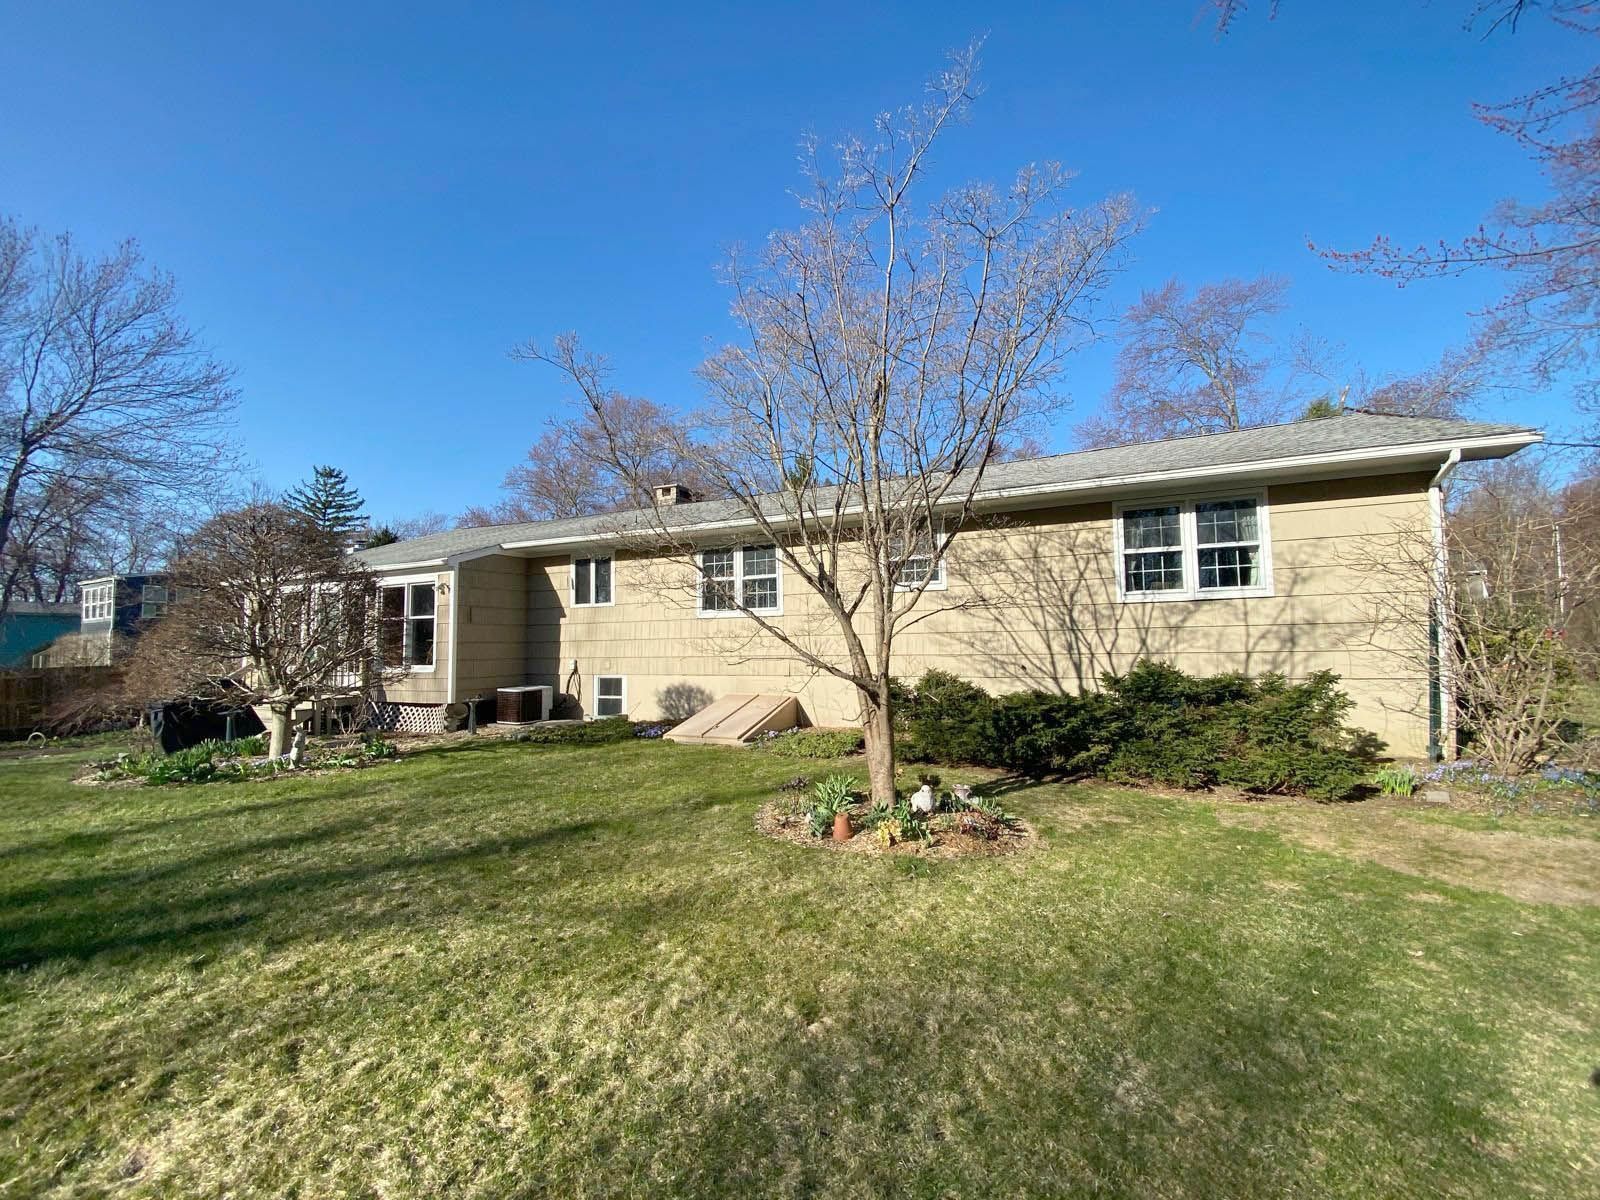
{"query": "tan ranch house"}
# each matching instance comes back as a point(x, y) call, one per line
point(1247, 551)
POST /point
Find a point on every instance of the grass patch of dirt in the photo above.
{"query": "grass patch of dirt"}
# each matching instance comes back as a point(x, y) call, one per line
point(1536, 870)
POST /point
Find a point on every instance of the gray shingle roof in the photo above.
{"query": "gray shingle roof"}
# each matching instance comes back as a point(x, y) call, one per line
point(1348, 433)
point(33, 608)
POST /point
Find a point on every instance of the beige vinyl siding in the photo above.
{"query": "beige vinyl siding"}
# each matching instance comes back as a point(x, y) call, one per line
point(492, 636)
point(1031, 603)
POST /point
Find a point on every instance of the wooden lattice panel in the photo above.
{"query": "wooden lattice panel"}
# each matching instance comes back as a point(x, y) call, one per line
point(408, 718)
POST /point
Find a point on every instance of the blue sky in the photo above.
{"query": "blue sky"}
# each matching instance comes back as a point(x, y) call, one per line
point(367, 205)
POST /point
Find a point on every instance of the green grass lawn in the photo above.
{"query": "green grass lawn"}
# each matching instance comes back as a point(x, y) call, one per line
point(516, 970)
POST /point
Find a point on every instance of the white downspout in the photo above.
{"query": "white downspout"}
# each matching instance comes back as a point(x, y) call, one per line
point(1446, 732)
point(455, 627)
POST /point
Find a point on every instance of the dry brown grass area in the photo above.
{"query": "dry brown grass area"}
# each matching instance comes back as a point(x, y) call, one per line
point(1536, 870)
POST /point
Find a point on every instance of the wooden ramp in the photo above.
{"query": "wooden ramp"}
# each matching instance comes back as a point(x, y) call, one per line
point(734, 720)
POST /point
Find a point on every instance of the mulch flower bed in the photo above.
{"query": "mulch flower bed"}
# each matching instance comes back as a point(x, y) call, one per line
point(785, 818)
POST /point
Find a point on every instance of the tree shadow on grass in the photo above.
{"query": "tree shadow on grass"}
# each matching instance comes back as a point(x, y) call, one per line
point(93, 839)
point(186, 921)
point(1142, 1060)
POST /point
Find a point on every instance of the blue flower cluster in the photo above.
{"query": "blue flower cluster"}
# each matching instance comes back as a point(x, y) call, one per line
point(1514, 793)
point(650, 731)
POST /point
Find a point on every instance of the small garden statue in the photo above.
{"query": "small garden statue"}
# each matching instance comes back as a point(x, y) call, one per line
point(297, 749)
point(922, 800)
point(963, 794)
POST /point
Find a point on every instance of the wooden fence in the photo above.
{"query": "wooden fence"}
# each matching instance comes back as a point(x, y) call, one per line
point(31, 700)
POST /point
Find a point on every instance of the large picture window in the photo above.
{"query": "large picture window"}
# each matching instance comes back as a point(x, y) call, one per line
point(745, 576)
point(407, 624)
point(591, 581)
point(1193, 549)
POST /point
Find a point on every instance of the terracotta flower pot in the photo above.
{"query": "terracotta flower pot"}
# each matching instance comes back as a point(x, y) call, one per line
point(842, 831)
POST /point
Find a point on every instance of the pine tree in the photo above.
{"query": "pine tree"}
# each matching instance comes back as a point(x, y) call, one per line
point(329, 502)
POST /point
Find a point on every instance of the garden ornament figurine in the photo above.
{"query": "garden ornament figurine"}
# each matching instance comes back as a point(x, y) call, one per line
point(297, 748)
point(962, 792)
point(922, 799)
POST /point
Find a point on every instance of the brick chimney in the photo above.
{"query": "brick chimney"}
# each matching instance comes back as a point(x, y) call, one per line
point(672, 493)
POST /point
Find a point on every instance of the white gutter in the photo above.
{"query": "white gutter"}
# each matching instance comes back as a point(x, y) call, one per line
point(1446, 733)
point(388, 569)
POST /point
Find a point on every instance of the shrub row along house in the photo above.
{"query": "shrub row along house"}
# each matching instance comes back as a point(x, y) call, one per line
point(1250, 551)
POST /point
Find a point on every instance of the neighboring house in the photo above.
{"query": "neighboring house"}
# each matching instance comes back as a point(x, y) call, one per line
point(114, 610)
point(28, 627)
point(1245, 551)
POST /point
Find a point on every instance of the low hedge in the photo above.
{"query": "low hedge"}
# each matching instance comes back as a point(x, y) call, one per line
point(811, 743)
point(600, 732)
point(1153, 724)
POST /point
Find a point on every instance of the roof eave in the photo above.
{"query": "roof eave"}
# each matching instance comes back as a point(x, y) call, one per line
point(1492, 446)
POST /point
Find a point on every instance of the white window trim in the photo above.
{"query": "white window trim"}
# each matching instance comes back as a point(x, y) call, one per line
point(406, 582)
point(572, 580)
point(943, 576)
point(623, 679)
point(738, 582)
point(1190, 547)
point(99, 602)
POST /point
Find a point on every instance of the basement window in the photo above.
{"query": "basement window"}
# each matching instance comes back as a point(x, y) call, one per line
point(610, 696)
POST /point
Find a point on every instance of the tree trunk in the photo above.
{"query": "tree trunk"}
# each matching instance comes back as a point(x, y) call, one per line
point(877, 724)
point(8, 515)
point(278, 728)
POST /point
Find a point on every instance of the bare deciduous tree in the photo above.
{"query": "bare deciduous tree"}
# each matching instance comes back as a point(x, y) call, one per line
point(589, 463)
point(1516, 577)
point(403, 529)
point(1446, 389)
point(104, 394)
point(1202, 363)
point(889, 351)
point(1548, 251)
point(1491, 14)
point(270, 610)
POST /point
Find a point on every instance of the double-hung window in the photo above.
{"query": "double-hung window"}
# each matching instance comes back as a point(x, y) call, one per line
point(1193, 549)
point(591, 581)
point(1228, 544)
point(745, 576)
point(97, 602)
point(918, 565)
point(407, 621)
